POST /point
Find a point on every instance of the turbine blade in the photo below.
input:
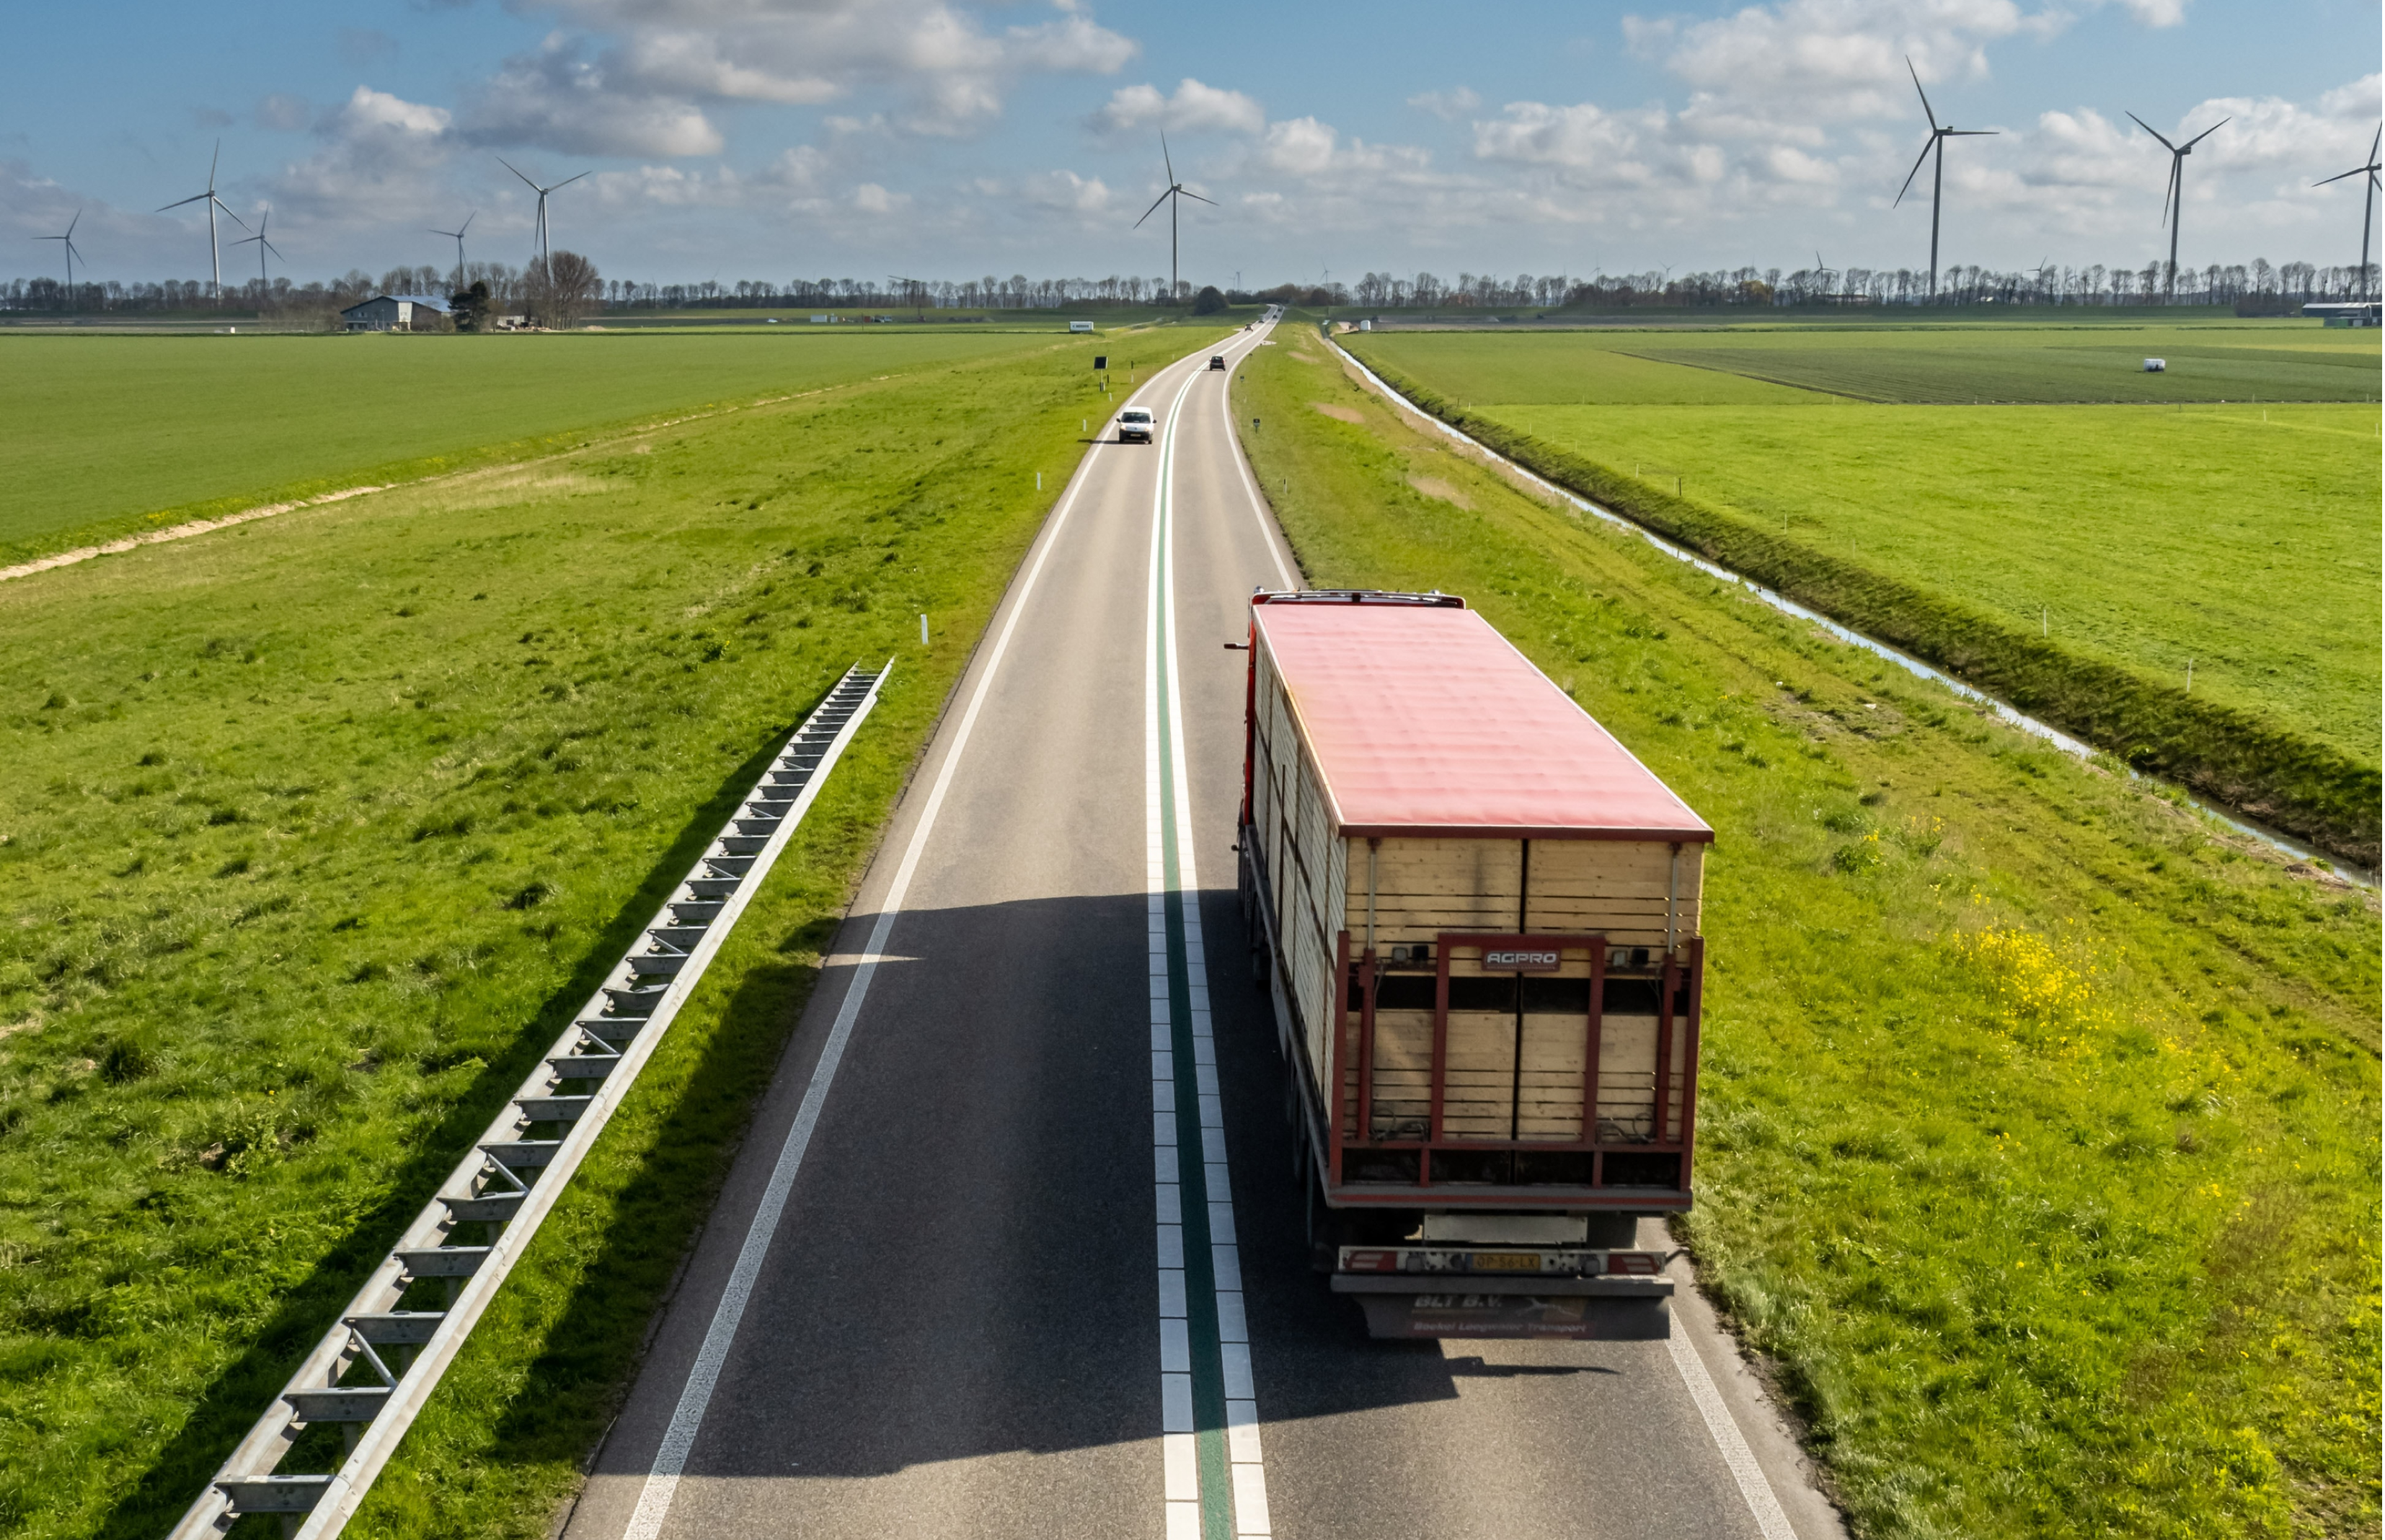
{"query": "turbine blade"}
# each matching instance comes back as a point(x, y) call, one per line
point(78, 220)
point(1198, 198)
point(1974, 134)
point(2208, 132)
point(230, 215)
point(195, 197)
point(517, 171)
point(468, 222)
point(2171, 191)
point(212, 160)
point(274, 249)
point(2340, 175)
point(2155, 132)
point(1155, 208)
point(1164, 159)
point(1916, 169)
point(1926, 111)
point(569, 181)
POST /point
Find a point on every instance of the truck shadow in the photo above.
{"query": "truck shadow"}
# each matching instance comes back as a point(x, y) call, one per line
point(965, 1263)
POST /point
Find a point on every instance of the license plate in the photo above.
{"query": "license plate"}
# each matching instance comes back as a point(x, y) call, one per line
point(1507, 1261)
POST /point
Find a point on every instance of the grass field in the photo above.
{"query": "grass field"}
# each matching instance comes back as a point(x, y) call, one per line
point(2070, 556)
point(2241, 539)
point(2039, 1126)
point(111, 434)
point(316, 830)
point(2007, 362)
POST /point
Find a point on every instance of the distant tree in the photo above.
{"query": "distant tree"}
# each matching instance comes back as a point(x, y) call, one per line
point(1208, 302)
point(563, 289)
point(471, 308)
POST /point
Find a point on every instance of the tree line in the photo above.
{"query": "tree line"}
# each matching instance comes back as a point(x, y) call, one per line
point(2252, 288)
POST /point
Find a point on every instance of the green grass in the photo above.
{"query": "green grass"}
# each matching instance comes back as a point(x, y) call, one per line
point(2038, 1121)
point(110, 434)
point(2242, 539)
point(317, 830)
point(2045, 363)
point(2073, 559)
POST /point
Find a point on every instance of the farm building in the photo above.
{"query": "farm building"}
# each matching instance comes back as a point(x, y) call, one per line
point(394, 313)
point(2362, 312)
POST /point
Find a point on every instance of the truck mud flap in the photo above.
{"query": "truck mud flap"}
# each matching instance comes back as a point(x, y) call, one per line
point(1572, 1318)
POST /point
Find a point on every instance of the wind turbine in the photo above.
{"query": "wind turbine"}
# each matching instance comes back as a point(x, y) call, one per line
point(1175, 192)
point(2174, 190)
point(542, 192)
point(1938, 136)
point(215, 251)
point(2371, 185)
point(263, 245)
point(458, 236)
point(67, 241)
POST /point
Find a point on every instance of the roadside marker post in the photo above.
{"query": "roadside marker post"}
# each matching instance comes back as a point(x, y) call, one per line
point(923, 628)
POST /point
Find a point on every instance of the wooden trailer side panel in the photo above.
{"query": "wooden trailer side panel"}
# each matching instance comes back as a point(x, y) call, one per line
point(1620, 889)
point(1617, 888)
point(1306, 865)
point(1423, 887)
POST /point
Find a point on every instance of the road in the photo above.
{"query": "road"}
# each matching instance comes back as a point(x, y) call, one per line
point(937, 1298)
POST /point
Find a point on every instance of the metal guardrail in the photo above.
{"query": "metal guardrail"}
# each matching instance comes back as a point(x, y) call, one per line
point(372, 1373)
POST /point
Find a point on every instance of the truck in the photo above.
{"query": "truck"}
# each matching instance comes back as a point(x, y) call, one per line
point(1475, 914)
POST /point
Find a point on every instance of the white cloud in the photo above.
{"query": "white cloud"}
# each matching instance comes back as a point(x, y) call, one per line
point(872, 199)
point(1193, 107)
point(373, 112)
point(951, 71)
point(1068, 191)
point(559, 98)
point(1447, 106)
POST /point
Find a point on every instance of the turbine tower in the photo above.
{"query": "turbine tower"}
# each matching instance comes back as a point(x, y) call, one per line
point(1175, 194)
point(214, 249)
point(456, 234)
point(542, 192)
point(67, 241)
point(263, 245)
point(2369, 185)
point(2174, 190)
point(1937, 147)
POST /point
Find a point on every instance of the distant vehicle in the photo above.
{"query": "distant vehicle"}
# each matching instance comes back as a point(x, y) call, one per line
point(1477, 916)
point(1134, 424)
point(1217, 360)
point(1081, 326)
point(2157, 366)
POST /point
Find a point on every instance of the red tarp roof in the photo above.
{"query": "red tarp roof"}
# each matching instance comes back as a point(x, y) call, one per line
point(1425, 723)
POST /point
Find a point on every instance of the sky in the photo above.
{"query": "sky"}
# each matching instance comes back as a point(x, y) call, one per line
point(772, 140)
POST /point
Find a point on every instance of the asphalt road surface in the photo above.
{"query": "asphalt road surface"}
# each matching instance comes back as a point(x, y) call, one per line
point(929, 1304)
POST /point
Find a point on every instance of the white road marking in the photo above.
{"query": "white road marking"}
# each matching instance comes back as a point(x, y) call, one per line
point(1761, 1501)
point(1245, 1470)
point(1258, 504)
point(687, 1417)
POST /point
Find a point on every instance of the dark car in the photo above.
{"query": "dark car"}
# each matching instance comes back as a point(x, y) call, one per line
point(1217, 360)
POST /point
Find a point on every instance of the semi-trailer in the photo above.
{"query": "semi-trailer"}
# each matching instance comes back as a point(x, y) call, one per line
point(1475, 914)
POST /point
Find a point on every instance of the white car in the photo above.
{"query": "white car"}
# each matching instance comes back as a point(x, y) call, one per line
point(1134, 424)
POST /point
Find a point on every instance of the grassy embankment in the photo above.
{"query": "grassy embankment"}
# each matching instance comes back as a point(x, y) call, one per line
point(114, 435)
point(2071, 559)
point(316, 831)
point(2038, 1125)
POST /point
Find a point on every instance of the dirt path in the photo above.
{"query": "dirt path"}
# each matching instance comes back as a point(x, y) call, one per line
point(179, 532)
